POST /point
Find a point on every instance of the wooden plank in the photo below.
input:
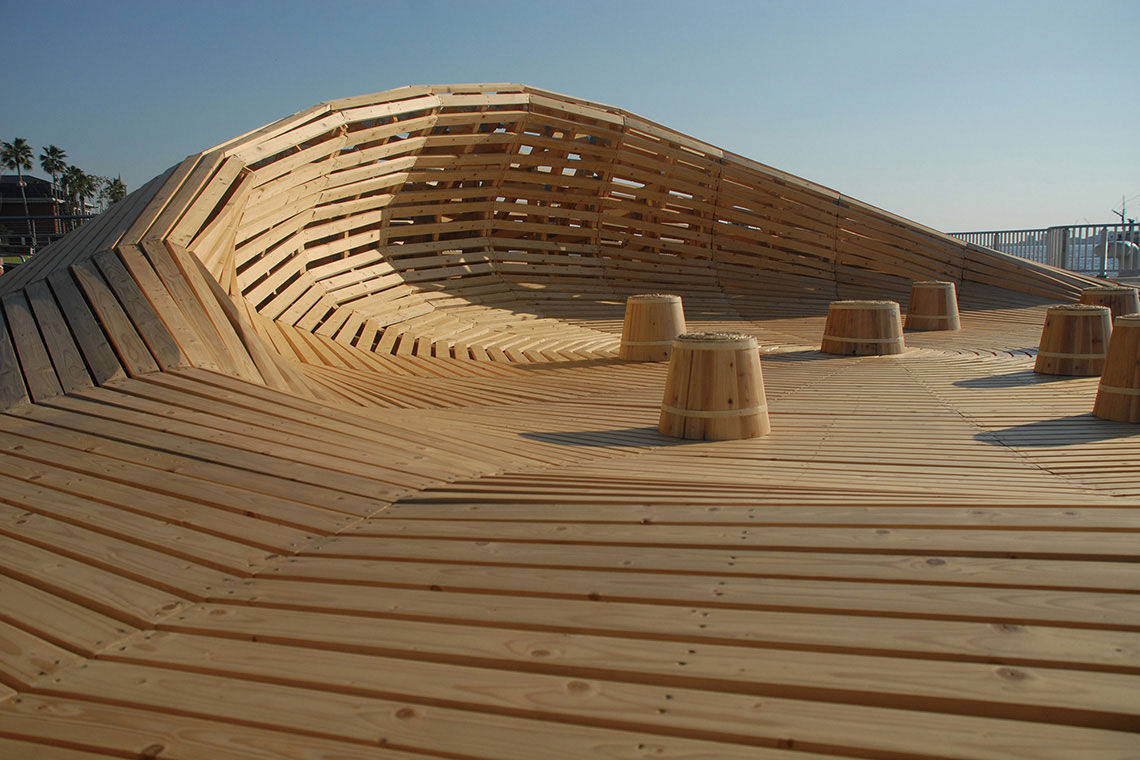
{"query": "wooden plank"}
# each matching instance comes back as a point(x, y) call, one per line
point(219, 484)
point(108, 593)
point(184, 295)
point(941, 566)
point(687, 712)
point(206, 424)
point(256, 363)
point(147, 323)
point(97, 352)
point(168, 310)
point(30, 750)
point(176, 541)
point(1108, 545)
point(55, 723)
point(175, 178)
point(39, 374)
point(1088, 698)
point(130, 556)
point(443, 728)
point(27, 659)
point(13, 390)
point(58, 487)
point(129, 346)
point(58, 621)
point(187, 271)
point(66, 357)
point(1048, 606)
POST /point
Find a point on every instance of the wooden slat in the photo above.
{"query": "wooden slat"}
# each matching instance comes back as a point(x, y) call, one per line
point(66, 357)
point(39, 374)
point(51, 724)
point(158, 339)
point(30, 750)
point(66, 624)
point(97, 352)
point(177, 322)
point(129, 346)
point(13, 390)
point(689, 713)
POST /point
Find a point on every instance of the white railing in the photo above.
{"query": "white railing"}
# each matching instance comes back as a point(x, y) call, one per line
point(1104, 250)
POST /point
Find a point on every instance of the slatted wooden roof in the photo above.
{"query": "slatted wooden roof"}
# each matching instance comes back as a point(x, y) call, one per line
point(317, 446)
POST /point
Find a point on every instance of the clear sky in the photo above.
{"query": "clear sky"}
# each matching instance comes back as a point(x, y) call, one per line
point(959, 114)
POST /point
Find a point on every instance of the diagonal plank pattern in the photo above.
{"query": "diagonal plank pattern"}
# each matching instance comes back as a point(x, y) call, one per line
point(318, 446)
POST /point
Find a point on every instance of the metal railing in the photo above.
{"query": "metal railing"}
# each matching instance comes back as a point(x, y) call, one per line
point(1103, 250)
point(21, 243)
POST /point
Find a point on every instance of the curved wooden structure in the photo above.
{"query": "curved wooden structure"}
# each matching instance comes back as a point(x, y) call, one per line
point(318, 446)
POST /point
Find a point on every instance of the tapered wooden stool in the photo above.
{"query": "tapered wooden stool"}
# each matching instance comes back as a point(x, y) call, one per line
point(651, 323)
point(1074, 340)
point(863, 328)
point(933, 306)
point(714, 390)
point(1120, 300)
point(1118, 396)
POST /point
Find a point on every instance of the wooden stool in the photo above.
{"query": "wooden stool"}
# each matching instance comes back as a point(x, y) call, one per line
point(714, 390)
point(933, 306)
point(863, 328)
point(1073, 340)
point(1120, 300)
point(1118, 396)
point(651, 324)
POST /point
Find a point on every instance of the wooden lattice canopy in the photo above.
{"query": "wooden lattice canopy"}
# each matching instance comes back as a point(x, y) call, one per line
point(403, 217)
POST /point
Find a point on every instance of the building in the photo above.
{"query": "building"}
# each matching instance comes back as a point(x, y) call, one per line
point(45, 208)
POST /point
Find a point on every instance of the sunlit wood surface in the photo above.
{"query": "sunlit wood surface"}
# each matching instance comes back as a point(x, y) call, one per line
point(318, 446)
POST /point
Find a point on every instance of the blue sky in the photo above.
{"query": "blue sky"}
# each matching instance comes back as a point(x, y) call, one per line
point(958, 114)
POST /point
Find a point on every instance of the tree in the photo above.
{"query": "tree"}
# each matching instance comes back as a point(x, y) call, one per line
point(77, 186)
point(18, 155)
point(72, 177)
point(85, 185)
point(98, 184)
point(113, 190)
point(98, 194)
point(52, 162)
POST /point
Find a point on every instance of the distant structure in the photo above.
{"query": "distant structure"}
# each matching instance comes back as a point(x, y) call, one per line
point(1097, 249)
point(43, 204)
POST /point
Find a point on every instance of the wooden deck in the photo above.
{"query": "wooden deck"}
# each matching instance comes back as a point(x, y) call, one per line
point(282, 476)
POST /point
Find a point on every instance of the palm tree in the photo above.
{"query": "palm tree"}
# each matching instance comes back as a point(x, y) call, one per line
point(84, 185)
point(95, 190)
point(72, 180)
point(18, 155)
point(111, 191)
point(116, 190)
point(52, 162)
